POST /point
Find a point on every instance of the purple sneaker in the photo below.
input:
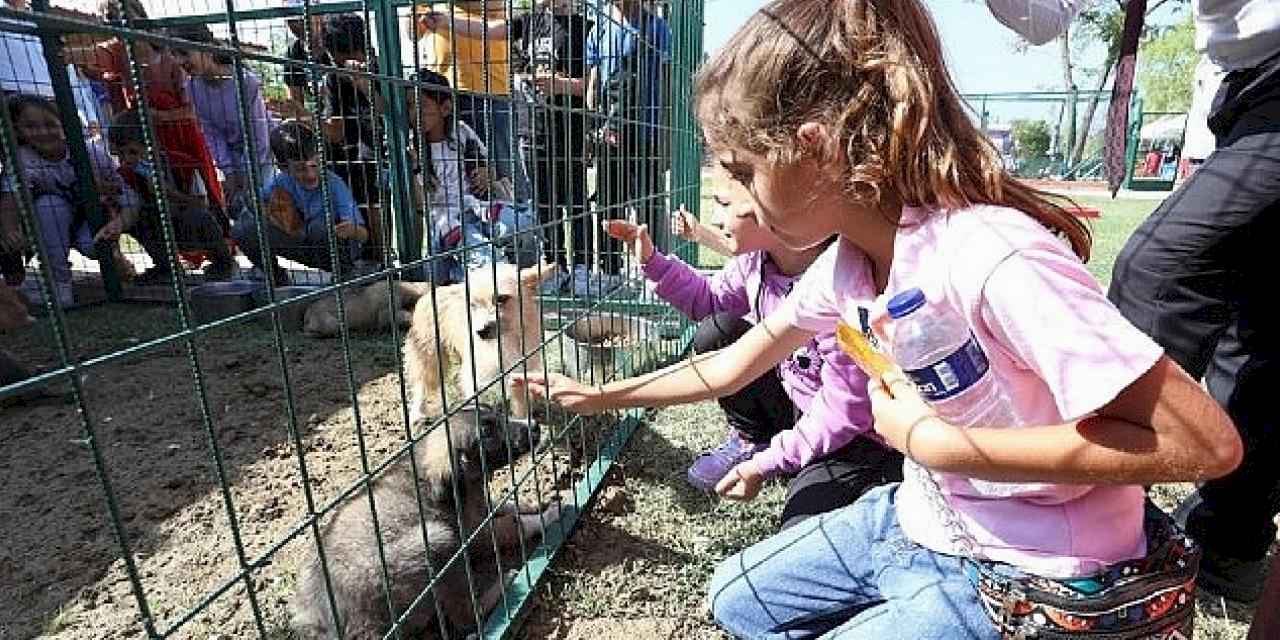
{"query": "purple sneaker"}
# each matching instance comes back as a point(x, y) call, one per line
point(710, 467)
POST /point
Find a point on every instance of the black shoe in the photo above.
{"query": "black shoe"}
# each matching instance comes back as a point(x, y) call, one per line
point(1232, 578)
point(218, 271)
point(1221, 574)
point(153, 277)
point(280, 277)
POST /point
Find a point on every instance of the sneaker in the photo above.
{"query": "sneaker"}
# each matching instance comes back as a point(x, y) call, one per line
point(153, 276)
point(587, 284)
point(217, 272)
point(707, 470)
point(555, 284)
point(1222, 575)
point(1232, 578)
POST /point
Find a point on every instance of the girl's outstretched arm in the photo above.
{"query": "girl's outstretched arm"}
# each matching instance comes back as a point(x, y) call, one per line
point(701, 377)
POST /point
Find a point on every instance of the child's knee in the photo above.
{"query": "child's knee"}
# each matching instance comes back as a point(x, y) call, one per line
point(731, 600)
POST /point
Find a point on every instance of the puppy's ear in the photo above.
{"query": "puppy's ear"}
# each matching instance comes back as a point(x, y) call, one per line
point(535, 275)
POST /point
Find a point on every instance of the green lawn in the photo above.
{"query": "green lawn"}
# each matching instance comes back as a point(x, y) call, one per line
point(1119, 218)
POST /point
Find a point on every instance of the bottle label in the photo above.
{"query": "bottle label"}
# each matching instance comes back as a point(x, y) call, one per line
point(953, 374)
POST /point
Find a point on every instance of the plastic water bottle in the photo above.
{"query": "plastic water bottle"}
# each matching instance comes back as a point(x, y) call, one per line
point(939, 353)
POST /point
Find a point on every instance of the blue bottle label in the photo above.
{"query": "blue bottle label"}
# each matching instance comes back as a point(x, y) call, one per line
point(953, 374)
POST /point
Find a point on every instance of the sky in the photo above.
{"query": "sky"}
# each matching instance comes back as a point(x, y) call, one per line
point(980, 51)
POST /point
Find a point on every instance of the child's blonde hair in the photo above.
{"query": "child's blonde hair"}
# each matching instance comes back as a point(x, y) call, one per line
point(872, 71)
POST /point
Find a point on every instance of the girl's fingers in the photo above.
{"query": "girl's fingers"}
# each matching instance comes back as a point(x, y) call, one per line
point(896, 382)
point(877, 391)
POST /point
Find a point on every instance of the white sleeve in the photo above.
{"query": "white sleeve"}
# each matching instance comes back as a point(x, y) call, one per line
point(1038, 21)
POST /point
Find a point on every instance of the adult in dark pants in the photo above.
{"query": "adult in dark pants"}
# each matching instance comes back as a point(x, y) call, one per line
point(763, 409)
point(629, 56)
point(551, 42)
point(1195, 277)
point(352, 105)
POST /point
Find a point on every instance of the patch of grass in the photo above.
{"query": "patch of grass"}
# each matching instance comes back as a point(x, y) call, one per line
point(58, 622)
point(1119, 218)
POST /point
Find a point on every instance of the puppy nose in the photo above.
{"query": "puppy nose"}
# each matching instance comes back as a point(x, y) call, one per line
point(488, 331)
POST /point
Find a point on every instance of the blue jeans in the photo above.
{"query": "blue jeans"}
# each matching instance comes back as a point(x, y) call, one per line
point(491, 118)
point(512, 236)
point(850, 573)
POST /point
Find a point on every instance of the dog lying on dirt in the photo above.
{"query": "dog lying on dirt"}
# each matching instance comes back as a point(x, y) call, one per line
point(490, 332)
point(366, 309)
point(480, 439)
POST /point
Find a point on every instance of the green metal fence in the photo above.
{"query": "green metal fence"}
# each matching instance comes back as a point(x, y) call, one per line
point(175, 451)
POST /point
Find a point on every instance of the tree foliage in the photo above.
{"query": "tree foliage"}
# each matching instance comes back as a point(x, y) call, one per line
point(1032, 138)
point(1166, 68)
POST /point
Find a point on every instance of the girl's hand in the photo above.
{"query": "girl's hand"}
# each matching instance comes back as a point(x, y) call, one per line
point(636, 237)
point(683, 224)
point(742, 483)
point(898, 410)
point(110, 232)
point(478, 181)
point(349, 231)
point(564, 391)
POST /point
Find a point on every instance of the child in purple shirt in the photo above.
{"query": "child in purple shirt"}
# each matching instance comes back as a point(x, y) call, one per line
point(802, 417)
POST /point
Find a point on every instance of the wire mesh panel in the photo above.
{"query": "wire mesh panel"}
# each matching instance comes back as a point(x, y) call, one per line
point(286, 260)
point(1046, 134)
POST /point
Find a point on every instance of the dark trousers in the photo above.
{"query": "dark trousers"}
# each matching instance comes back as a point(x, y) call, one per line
point(193, 229)
point(762, 409)
point(312, 249)
point(560, 173)
point(839, 479)
point(1197, 277)
point(630, 178)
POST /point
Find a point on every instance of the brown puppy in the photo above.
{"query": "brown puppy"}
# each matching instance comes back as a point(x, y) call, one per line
point(478, 440)
point(366, 309)
point(500, 324)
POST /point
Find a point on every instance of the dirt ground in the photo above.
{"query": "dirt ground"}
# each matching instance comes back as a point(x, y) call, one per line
point(61, 562)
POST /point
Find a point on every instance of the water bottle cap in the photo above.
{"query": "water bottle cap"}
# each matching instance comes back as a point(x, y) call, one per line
point(904, 303)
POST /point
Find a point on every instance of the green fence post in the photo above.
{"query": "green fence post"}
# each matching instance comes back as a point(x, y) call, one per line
point(51, 42)
point(408, 233)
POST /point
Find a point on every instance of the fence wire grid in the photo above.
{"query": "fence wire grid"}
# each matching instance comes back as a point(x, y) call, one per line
point(284, 258)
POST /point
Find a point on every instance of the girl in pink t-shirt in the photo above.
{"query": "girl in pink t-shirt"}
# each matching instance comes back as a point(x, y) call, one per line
point(840, 118)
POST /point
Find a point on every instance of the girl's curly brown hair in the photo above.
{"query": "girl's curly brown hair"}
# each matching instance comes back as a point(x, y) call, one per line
point(873, 72)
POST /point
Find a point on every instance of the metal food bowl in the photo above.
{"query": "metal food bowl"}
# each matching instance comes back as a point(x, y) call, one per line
point(217, 300)
point(604, 346)
point(292, 314)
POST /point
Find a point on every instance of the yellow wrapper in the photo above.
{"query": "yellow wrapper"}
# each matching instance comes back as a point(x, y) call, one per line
point(872, 362)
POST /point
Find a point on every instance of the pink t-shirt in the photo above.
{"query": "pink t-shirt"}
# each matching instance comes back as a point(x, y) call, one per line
point(1055, 343)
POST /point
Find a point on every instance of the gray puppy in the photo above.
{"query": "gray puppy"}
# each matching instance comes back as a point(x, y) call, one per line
point(475, 436)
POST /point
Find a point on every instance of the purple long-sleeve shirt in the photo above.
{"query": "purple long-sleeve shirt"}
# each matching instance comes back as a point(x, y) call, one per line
point(219, 115)
point(820, 379)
